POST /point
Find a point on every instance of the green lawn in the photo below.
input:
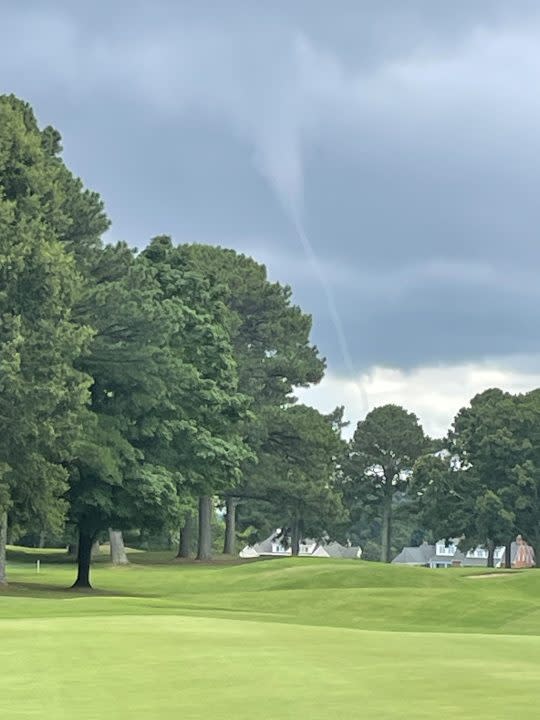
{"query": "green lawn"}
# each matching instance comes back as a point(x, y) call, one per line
point(305, 639)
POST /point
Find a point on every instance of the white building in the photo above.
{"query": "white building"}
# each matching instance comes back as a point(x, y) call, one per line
point(277, 546)
point(442, 555)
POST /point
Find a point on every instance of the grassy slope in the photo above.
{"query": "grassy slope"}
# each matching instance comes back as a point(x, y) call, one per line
point(288, 638)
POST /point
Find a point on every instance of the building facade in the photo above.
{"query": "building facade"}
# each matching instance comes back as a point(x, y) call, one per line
point(276, 545)
point(443, 555)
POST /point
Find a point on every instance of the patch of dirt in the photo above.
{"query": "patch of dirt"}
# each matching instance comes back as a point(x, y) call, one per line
point(489, 575)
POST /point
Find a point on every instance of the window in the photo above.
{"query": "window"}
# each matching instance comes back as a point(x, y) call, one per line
point(443, 549)
point(478, 552)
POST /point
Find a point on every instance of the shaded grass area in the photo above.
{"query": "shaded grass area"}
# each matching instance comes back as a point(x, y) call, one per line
point(283, 638)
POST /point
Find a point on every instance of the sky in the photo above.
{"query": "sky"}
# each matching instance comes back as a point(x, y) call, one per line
point(381, 157)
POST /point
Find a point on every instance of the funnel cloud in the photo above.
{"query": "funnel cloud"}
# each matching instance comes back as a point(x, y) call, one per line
point(382, 158)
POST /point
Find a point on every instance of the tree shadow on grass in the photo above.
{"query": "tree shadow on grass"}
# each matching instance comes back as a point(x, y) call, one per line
point(49, 556)
point(43, 591)
point(166, 558)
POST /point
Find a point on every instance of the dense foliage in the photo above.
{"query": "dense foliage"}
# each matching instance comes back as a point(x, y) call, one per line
point(153, 393)
point(133, 387)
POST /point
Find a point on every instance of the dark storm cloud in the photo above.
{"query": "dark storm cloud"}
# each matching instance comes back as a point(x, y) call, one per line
point(407, 134)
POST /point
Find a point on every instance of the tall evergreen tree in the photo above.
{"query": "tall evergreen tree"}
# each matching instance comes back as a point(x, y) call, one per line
point(42, 395)
point(272, 350)
point(297, 473)
point(111, 479)
point(210, 442)
point(382, 453)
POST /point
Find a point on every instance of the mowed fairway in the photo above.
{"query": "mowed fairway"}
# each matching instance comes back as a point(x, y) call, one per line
point(275, 639)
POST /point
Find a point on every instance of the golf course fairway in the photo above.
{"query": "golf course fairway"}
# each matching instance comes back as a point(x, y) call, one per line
point(292, 638)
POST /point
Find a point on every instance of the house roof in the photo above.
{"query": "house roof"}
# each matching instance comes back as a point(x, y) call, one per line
point(265, 546)
point(426, 554)
point(420, 555)
point(334, 549)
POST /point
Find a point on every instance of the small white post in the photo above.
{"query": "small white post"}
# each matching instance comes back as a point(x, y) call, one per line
point(37, 566)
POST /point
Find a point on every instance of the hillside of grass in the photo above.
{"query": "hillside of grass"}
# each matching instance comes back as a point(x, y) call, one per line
point(288, 638)
point(308, 591)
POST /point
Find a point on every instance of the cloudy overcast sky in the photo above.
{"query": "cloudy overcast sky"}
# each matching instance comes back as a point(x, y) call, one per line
point(403, 136)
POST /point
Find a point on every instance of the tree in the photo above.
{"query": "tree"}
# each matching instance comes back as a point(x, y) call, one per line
point(381, 457)
point(298, 465)
point(187, 528)
point(165, 406)
point(454, 503)
point(494, 437)
point(127, 359)
point(270, 335)
point(210, 445)
point(42, 395)
point(4, 504)
point(527, 474)
point(204, 542)
point(489, 438)
point(485, 488)
point(271, 344)
point(117, 548)
point(229, 544)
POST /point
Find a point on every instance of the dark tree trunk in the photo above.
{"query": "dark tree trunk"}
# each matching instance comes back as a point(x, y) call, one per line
point(205, 528)
point(118, 551)
point(3, 545)
point(229, 546)
point(491, 554)
point(508, 555)
point(295, 537)
point(186, 536)
point(143, 540)
point(84, 559)
point(386, 531)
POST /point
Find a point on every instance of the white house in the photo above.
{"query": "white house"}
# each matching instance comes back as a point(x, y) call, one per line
point(277, 546)
point(442, 555)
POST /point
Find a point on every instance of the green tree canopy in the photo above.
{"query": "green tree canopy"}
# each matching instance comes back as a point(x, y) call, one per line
point(164, 399)
point(485, 489)
point(381, 456)
point(42, 395)
point(272, 351)
point(297, 474)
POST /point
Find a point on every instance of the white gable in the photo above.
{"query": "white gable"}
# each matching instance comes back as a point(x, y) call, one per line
point(248, 552)
point(320, 552)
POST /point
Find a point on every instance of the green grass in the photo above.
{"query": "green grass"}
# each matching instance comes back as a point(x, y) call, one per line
point(290, 638)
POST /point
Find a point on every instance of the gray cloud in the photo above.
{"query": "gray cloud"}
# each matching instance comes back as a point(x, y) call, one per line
point(408, 132)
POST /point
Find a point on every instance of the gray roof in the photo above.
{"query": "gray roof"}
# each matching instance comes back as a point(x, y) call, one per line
point(420, 555)
point(334, 549)
point(426, 554)
point(265, 546)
